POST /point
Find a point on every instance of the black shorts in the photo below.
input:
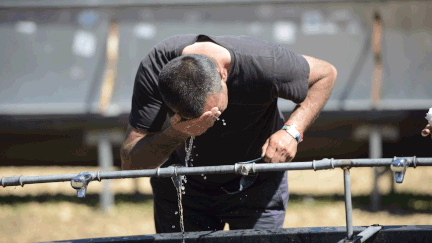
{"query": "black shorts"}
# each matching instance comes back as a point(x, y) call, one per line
point(260, 206)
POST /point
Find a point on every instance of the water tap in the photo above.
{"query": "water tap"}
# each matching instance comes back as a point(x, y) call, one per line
point(80, 183)
point(398, 166)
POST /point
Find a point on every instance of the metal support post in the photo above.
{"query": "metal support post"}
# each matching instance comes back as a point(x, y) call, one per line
point(375, 152)
point(104, 140)
point(105, 156)
point(370, 231)
point(348, 203)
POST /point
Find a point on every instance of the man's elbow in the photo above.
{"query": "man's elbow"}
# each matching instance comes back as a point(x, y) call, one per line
point(327, 77)
point(332, 73)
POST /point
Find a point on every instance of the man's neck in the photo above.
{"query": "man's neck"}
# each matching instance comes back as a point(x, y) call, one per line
point(219, 53)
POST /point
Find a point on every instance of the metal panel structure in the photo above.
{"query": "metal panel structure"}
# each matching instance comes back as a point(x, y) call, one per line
point(120, 3)
point(337, 33)
point(51, 61)
point(55, 58)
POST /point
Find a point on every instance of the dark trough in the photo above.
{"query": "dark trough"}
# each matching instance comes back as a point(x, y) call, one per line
point(399, 233)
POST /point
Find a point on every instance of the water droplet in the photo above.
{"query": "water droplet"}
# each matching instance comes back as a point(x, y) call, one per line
point(205, 177)
point(183, 192)
point(194, 146)
point(196, 155)
point(188, 150)
point(176, 212)
point(191, 159)
point(202, 174)
point(173, 226)
point(240, 199)
point(245, 195)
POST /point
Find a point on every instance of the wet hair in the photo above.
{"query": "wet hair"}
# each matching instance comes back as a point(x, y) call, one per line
point(186, 82)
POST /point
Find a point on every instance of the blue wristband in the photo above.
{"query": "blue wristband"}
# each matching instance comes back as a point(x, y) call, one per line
point(293, 132)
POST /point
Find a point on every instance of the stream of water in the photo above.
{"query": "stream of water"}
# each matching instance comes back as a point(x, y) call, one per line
point(188, 150)
point(179, 180)
point(178, 183)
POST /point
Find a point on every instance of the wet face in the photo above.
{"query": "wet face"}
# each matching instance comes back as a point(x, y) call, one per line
point(219, 100)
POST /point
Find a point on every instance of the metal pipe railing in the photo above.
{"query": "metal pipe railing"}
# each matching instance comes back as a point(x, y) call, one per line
point(397, 165)
point(222, 169)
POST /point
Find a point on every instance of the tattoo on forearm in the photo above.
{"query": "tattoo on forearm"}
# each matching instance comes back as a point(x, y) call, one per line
point(140, 131)
point(125, 151)
point(128, 144)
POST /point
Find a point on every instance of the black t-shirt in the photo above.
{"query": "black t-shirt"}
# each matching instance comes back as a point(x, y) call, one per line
point(259, 73)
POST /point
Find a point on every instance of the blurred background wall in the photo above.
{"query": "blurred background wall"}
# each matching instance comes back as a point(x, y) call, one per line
point(66, 76)
point(55, 85)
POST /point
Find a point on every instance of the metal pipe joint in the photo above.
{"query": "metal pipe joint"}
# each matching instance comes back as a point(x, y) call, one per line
point(12, 181)
point(244, 168)
point(398, 166)
point(80, 183)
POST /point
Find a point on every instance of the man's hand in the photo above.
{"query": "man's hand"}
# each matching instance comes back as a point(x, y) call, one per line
point(426, 131)
point(198, 126)
point(280, 147)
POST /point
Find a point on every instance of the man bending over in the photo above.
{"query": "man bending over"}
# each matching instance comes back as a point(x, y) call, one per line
point(199, 81)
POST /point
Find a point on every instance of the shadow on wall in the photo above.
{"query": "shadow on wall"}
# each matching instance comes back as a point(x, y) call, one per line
point(331, 136)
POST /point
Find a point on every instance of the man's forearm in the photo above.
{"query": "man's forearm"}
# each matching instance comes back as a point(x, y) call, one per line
point(306, 112)
point(150, 151)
